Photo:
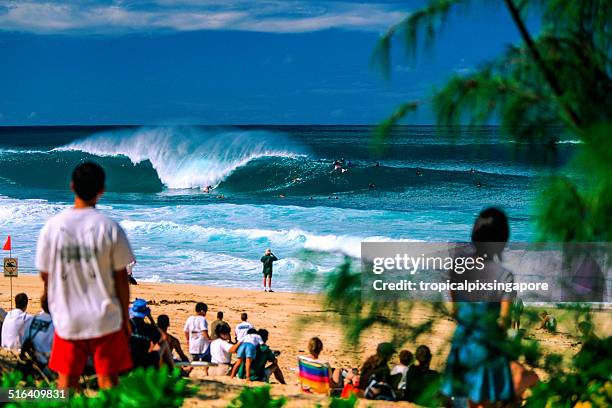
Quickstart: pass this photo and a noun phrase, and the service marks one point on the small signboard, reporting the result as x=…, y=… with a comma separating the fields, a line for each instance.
x=10, y=267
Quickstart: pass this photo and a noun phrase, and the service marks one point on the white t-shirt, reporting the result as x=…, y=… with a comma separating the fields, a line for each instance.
x=195, y=326
x=219, y=351
x=12, y=328
x=81, y=249
x=39, y=329
x=254, y=338
x=241, y=330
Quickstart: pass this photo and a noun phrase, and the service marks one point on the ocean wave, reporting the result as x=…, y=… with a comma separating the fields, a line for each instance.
x=185, y=157
x=328, y=243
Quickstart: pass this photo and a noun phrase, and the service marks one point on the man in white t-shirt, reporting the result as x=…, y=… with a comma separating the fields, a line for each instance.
x=14, y=322
x=39, y=331
x=196, y=334
x=221, y=351
x=243, y=327
x=82, y=257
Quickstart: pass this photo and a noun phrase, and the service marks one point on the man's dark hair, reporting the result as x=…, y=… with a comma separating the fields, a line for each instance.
x=252, y=330
x=244, y=317
x=201, y=307
x=88, y=180
x=264, y=335
x=163, y=321
x=220, y=315
x=21, y=301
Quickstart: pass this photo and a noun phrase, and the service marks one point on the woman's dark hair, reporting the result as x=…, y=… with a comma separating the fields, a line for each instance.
x=88, y=180
x=406, y=357
x=490, y=232
x=384, y=352
x=44, y=302
x=423, y=355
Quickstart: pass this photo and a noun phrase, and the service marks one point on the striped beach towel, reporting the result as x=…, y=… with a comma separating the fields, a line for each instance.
x=313, y=376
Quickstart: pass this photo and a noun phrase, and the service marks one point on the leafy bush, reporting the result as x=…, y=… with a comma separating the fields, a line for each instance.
x=587, y=384
x=343, y=402
x=257, y=397
x=140, y=388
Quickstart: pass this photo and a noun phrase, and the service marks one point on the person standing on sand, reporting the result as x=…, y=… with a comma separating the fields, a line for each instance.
x=213, y=326
x=82, y=257
x=267, y=261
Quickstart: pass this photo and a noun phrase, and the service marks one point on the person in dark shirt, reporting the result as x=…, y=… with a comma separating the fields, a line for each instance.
x=260, y=369
x=145, y=336
x=377, y=366
x=422, y=383
x=267, y=261
x=213, y=325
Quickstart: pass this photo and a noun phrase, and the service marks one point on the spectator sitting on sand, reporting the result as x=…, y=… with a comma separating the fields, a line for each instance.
x=163, y=322
x=196, y=333
x=221, y=351
x=259, y=370
x=14, y=323
x=351, y=384
x=548, y=322
x=247, y=351
x=422, y=383
x=38, y=334
x=82, y=257
x=315, y=347
x=376, y=376
x=399, y=371
x=243, y=327
x=213, y=325
x=145, y=338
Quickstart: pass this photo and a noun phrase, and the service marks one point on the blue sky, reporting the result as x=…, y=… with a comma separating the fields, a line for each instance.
x=224, y=62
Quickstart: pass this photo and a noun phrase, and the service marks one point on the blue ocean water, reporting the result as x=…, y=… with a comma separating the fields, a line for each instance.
x=271, y=187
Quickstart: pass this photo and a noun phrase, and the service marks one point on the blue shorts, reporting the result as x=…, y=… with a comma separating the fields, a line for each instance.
x=246, y=350
x=201, y=357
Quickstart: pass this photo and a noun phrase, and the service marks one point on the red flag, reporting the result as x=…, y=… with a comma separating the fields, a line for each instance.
x=7, y=244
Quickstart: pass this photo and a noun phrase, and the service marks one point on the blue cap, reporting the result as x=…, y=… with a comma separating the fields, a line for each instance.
x=139, y=308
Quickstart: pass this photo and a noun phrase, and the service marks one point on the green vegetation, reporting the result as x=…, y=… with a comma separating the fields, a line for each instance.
x=552, y=86
x=140, y=388
x=257, y=397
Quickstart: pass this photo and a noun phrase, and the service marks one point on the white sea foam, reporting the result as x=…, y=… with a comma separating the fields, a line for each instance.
x=187, y=157
x=330, y=243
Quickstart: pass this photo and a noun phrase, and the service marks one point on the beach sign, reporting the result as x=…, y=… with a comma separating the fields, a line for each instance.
x=11, y=267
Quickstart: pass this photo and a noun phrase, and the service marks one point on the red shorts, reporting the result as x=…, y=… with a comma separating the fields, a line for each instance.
x=111, y=354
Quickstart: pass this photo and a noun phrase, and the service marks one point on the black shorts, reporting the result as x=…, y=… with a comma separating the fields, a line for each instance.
x=267, y=273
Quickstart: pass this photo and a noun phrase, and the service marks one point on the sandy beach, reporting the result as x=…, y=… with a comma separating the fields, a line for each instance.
x=291, y=318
